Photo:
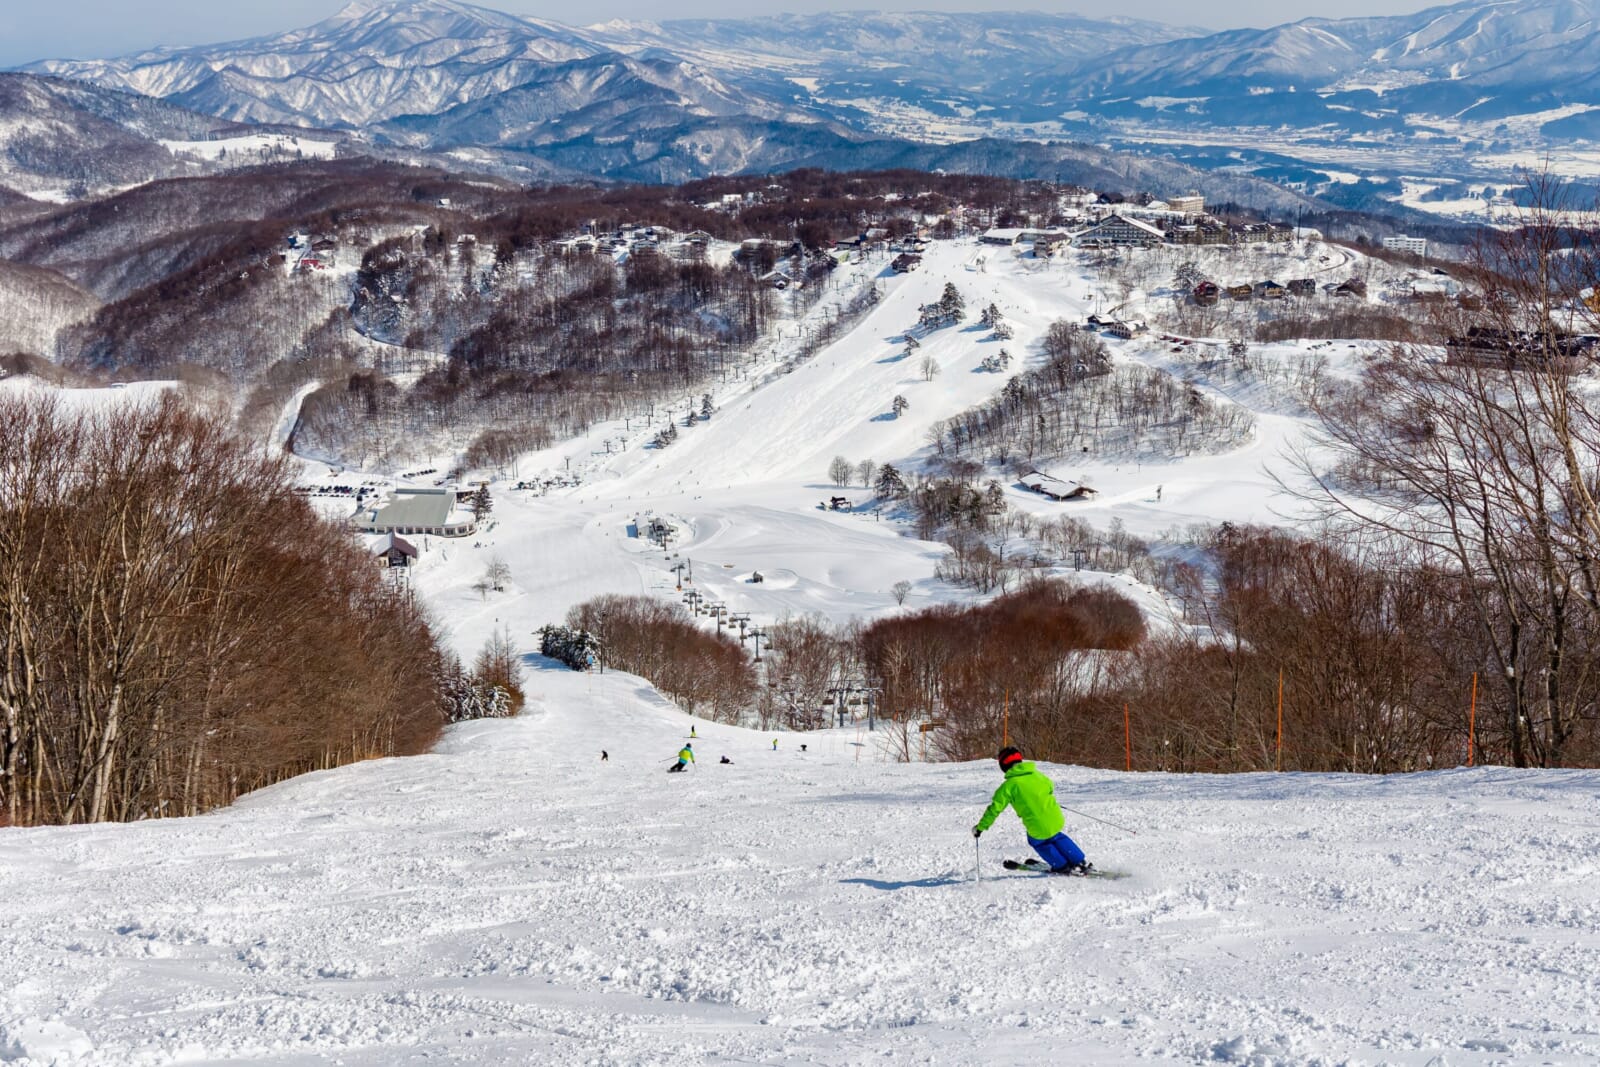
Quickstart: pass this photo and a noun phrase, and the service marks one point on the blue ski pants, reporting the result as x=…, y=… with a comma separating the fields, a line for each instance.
x=1058, y=851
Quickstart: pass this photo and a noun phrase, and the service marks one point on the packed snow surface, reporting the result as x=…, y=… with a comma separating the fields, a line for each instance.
x=513, y=900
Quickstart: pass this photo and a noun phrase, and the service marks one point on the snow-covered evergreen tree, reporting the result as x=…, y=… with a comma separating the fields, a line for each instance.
x=578, y=649
x=890, y=484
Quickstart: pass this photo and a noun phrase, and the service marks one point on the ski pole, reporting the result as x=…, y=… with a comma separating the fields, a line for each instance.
x=1097, y=818
x=977, y=860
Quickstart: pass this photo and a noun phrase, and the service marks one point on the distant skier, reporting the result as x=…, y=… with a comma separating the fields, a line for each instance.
x=725, y=759
x=692, y=733
x=774, y=744
x=685, y=757
x=1032, y=796
x=604, y=755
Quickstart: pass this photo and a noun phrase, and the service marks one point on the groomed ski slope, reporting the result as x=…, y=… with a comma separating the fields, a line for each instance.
x=512, y=900
x=743, y=489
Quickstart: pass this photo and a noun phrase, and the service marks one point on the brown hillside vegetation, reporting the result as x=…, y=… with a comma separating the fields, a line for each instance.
x=177, y=628
x=1014, y=666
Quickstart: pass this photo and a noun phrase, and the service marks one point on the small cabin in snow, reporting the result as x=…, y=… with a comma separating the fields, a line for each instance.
x=1055, y=488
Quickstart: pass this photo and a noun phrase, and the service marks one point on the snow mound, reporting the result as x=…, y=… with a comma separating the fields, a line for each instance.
x=42, y=1042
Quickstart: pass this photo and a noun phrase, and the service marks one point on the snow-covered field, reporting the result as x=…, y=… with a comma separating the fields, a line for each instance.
x=252, y=145
x=513, y=900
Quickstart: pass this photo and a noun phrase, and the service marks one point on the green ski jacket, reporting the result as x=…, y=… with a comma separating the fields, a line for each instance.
x=685, y=755
x=1033, y=797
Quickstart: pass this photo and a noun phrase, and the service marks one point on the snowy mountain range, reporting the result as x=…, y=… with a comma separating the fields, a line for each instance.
x=377, y=62
x=1465, y=91
x=59, y=137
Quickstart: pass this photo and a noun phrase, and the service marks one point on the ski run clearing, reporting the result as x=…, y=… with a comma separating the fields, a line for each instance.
x=511, y=899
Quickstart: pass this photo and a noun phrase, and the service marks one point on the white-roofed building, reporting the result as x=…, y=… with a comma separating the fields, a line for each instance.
x=1055, y=488
x=418, y=511
x=1120, y=231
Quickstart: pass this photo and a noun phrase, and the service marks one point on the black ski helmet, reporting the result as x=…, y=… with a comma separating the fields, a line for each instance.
x=1009, y=757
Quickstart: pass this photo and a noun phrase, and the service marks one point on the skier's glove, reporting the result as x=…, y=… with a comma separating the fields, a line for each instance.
x=976, y=832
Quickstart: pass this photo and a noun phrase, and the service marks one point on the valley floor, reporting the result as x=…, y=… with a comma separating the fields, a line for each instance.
x=513, y=900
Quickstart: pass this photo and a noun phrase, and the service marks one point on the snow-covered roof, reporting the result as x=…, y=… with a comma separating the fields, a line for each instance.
x=417, y=507
x=1040, y=482
x=391, y=542
x=1153, y=231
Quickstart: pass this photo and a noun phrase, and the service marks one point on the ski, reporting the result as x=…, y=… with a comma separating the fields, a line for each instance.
x=1038, y=867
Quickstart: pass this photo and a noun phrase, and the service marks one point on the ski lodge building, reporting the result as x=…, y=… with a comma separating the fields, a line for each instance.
x=1119, y=231
x=417, y=511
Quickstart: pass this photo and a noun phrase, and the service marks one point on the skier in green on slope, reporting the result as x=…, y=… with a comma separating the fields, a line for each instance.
x=1033, y=797
x=685, y=757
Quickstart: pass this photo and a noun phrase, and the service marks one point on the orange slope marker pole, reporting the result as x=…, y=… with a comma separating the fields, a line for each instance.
x=1472, y=722
x=1280, y=718
x=1127, y=738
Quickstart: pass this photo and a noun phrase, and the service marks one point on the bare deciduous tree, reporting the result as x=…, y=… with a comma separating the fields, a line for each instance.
x=840, y=470
x=168, y=610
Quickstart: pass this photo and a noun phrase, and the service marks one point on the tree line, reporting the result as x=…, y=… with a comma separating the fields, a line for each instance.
x=177, y=627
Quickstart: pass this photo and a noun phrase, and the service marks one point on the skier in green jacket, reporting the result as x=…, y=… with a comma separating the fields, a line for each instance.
x=1033, y=797
x=685, y=757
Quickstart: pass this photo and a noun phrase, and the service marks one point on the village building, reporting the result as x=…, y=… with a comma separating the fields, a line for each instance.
x=1007, y=237
x=584, y=245
x=395, y=551
x=1048, y=246
x=1188, y=204
x=1119, y=231
x=1204, y=231
x=1302, y=286
x=1239, y=292
x=417, y=511
x=1415, y=245
x=1206, y=294
x=1254, y=233
x=1127, y=330
x=1055, y=488
x=1270, y=290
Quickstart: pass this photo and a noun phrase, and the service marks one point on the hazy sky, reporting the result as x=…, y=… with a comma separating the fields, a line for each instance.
x=39, y=29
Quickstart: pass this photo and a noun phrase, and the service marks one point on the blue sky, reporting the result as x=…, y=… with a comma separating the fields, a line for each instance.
x=39, y=29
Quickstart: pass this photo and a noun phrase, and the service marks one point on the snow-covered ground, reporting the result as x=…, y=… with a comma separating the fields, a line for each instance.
x=744, y=488
x=253, y=145
x=513, y=900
